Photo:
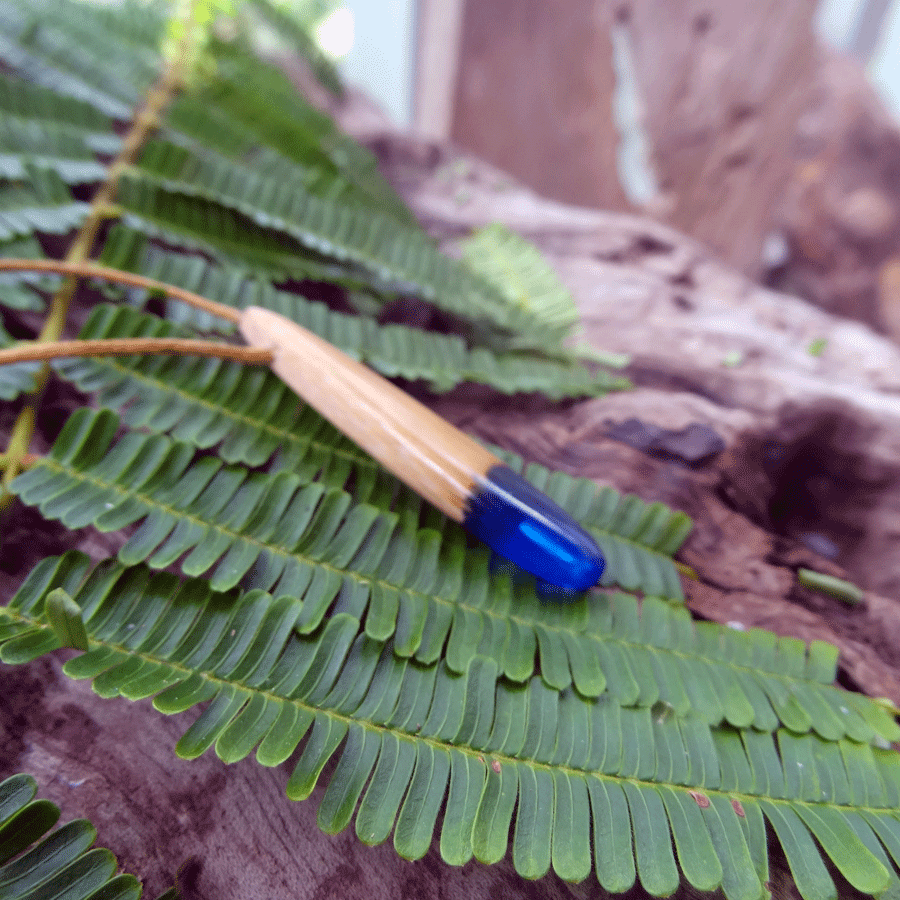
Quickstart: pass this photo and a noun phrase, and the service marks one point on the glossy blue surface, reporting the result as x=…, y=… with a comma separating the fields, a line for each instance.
x=526, y=527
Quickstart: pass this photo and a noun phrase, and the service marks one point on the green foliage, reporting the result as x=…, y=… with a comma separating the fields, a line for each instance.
x=517, y=271
x=297, y=34
x=295, y=531
x=43, y=205
x=272, y=571
x=834, y=587
x=64, y=616
x=408, y=735
x=388, y=255
x=61, y=862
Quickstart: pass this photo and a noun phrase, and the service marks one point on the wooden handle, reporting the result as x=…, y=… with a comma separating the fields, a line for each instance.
x=436, y=460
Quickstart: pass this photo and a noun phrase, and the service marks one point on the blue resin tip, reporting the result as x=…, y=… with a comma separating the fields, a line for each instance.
x=526, y=527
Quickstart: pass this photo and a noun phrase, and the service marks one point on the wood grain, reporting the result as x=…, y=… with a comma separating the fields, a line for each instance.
x=438, y=461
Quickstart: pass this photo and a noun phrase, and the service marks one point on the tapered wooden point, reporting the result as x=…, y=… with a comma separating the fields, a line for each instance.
x=436, y=460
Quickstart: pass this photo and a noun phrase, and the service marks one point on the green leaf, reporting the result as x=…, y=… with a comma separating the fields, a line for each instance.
x=513, y=762
x=64, y=616
x=61, y=863
x=518, y=272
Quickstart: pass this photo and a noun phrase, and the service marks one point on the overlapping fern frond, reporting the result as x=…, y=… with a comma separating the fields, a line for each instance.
x=409, y=735
x=299, y=534
x=61, y=862
x=320, y=610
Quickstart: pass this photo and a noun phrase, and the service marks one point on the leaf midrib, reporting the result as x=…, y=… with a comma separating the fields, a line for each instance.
x=483, y=756
x=372, y=581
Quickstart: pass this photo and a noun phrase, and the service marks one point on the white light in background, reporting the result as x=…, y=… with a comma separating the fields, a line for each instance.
x=334, y=34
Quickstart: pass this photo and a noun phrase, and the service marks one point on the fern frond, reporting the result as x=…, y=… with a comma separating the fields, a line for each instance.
x=226, y=402
x=516, y=269
x=198, y=123
x=61, y=863
x=46, y=145
x=227, y=235
x=24, y=102
x=395, y=257
x=19, y=291
x=411, y=735
x=277, y=118
x=80, y=52
x=424, y=590
x=443, y=361
x=291, y=30
x=44, y=205
x=248, y=413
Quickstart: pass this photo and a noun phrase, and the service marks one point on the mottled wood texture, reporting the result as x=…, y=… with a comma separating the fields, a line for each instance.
x=840, y=214
x=721, y=88
x=533, y=94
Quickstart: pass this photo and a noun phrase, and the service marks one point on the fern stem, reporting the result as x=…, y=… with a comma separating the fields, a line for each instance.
x=41, y=352
x=92, y=270
x=14, y=458
x=145, y=120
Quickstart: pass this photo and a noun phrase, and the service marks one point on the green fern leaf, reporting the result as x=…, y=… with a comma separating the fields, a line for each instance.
x=49, y=146
x=44, y=206
x=425, y=590
x=84, y=53
x=19, y=291
x=64, y=617
x=196, y=224
x=499, y=753
x=396, y=258
x=21, y=101
x=16, y=379
x=516, y=269
x=61, y=863
x=270, y=123
x=205, y=401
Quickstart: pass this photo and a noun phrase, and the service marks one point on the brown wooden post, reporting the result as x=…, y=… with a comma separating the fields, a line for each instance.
x=534, y=94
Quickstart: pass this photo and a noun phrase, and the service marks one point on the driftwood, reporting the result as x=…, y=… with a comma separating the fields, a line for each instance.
x=784, y=457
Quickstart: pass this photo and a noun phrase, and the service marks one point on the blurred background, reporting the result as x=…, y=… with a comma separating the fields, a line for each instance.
x=766, y=130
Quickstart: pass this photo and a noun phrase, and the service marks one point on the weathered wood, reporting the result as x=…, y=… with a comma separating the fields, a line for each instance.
x=722, y=89
x=534, y=95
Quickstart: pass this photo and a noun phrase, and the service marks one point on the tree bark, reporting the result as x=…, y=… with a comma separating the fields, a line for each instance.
x=723, y=86
x=534, y=96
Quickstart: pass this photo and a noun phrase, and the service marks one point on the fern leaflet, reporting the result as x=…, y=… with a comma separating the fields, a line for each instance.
x=425, y=590
x=408, y=736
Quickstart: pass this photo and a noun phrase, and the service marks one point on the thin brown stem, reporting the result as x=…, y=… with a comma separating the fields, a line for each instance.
x=145, y=120
x=92, y=270
x=40, y=352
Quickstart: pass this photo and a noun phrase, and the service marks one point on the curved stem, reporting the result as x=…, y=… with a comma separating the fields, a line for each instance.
x=43, y=349
x=92, y=270
x=35, y=352
x=145, y=120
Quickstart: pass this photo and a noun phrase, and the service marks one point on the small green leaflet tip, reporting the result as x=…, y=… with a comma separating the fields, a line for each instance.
x=834, y=587
x=64, y=617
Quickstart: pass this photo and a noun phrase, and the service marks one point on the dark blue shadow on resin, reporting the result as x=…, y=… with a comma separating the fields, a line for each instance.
x=526, y=527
